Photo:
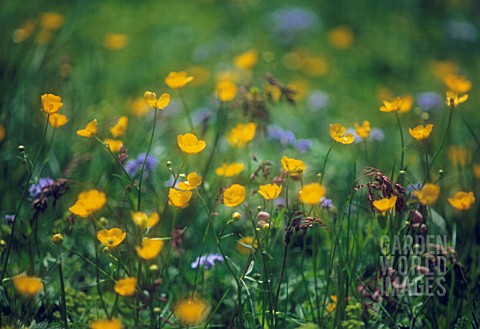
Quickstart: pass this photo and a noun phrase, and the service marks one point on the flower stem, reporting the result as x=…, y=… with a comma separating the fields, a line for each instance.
x=144, y=162
x=62, y=293
x=325, y=162
x=402, y=139
x=189, y=119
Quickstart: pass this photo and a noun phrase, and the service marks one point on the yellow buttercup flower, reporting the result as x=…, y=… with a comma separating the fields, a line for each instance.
x=191, y=311
x=421, y=132
x=88, y=202
x=57, y=120
x=476, y=171
x=179, y=199
x=193, y=180
x=234, y=195
x=363, y=131
x=190, y=144
x=453, y=99
x=143, y=220
x=89, y=131
x=385, y=204
x=338, y=133
x=111, y=238
x=457, y=84
x=462, y=200
x=150, y=248
x=113, y=323
x=244, y=242
x=51, y=21
x=247, y=60
x=115, y=41
x=115, y=145
x=399, y=104
x=125, y=287
x=428, y=195
x=316, y=66
x=226, y=90
x=293, y=166
x=177, y=80
x=241, y=134
x=340, y=37
x=119, y=129
x=270, y=191
x=51, y=103
x=27, y=285
x=312, y=193
x=157, y=103
x=229, y=170
x=331, y=306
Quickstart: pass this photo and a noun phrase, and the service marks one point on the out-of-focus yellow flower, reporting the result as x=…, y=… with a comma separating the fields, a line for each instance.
x=300, y=88
x=462, y=200
x=457, y=84
x=119, y=129
x=191, y=311
x=421, y=132
x=241, y=134
x=57, y=120
x=3, y=132
x=179, y=199
x=230, y=170
x=331, y=306
x=57, y=238
x=51, y=21
x=315, y=66
x=338, y=133
x=340, y=37
x=428, y=195
x=247, y=60
x=190, y=144
x=226, y=90
x=143, y=220
x=476, y=171
x=312, y=193
x=138, y=107
x=111, y=238
x=160, y=103
x=89, y=131
x=88, y=202
x=234, y=195
x=385, y=204
x=43, y=36
x=459, y=155
x=125, y=287
x=444, y=68
x=273, y=92
x=193, y=180
x=27, y=285
x=113, y=323
x=115, y=41
x=51, y=103
x=293, y=166
x=177, y=80
x=363, y=131
x=150, y=248
x=270, y=191
x=399, y=104
x=114, y=145
x=453, y=99
x=201, y=74
x=244, y=242
x=24, y=32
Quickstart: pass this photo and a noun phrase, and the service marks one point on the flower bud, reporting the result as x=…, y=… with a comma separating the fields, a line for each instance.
x=103, y=221
x=153, y=268
x=169, y=164
x=236, y=216
x=263, y=216
x=21, y=148
x=3, y=243
x=106, y=250
x=402, y=173
x=57, y=239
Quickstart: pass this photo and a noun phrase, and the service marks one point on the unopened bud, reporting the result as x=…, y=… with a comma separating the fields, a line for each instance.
x=57, y=238
x=236, y=216
x=103, y=221
x=106, y=250
x=402, y=173
x=21, y=148
x=153, y=268
x=169, y=164
x=440, y=172
x=157, y=310
x=3, y=243
x=263, y=215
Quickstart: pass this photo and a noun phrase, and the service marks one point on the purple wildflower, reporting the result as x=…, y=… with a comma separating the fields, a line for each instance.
x=134, y=166
x=377, y=134
x=326, y=203
x=207, y=261
x=36, y=189
x=303, y=145
x=428, y=101
x=317, y=100
x=131, y=167
x=293, y=20
x=10, y=219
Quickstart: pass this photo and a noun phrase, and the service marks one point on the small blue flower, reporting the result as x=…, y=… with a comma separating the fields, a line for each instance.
x=428, y=101
x=134, y=166
x=303, y=145
x=131, y=167
x=36, y=189
x=10, y=219
x=207, y=261
x=326, y=203
x=318, y=100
